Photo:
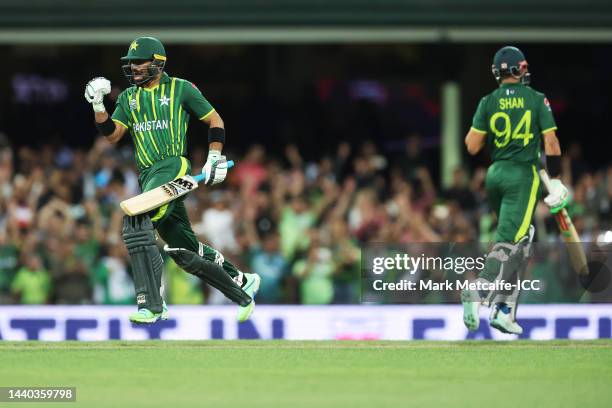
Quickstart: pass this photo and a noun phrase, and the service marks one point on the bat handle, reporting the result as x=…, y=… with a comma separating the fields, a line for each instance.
x=545, y=179
x=202, y=176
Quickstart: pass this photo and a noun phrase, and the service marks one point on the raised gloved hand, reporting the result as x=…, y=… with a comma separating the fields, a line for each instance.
x=557, y=197
x=95, y=91
x=215, y=168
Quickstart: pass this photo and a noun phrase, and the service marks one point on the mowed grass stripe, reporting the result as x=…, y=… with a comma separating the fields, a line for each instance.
x=317, y=374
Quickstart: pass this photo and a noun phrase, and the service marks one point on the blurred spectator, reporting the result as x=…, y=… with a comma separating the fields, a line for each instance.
x=264, y=257
x=296, y=219
x=9, y=261
x=112, y=283
x=413, y=157
x=181, y=287
x=460, y=192
x=217, y=224
x=315, y=274
x=31, y=285
x=250, y=172
x=71, y=278
x=267, y=261
x=367, y=216
x=346, y=257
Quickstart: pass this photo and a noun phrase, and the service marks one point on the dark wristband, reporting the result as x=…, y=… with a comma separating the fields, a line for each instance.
x=216, y=134
x=107, y=127
x=553, y=165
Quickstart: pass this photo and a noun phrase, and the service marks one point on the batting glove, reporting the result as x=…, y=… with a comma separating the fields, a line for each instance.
x=215, y=168
x=95, y=91
x=557, y=197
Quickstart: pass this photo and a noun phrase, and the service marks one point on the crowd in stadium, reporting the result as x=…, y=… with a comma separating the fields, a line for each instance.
x=299, y=224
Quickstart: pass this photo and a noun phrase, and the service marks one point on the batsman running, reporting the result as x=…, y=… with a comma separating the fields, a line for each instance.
x=155, y=110
x=512, y=121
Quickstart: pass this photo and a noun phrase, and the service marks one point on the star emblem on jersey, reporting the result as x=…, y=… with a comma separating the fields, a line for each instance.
x=133, y=45
x=164, y=100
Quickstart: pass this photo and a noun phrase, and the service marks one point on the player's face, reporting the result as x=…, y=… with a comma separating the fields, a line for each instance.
x=523, y=67
x=140, y=68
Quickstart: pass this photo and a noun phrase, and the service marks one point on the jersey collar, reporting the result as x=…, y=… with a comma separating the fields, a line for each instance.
x=164, y=79
x=509, y=84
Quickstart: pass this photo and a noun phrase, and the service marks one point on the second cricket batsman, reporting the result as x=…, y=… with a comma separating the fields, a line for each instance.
x=155, y=111
x=512, y=121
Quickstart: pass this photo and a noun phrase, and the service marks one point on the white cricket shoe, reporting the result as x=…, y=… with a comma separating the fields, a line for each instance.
x=504, y=322
x=250, y=287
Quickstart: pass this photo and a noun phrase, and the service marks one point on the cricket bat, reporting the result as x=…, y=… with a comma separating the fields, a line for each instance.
x=152, y=199
x=568, y=234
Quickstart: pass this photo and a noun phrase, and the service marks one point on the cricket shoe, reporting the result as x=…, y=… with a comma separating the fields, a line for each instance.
x=471, y=306
x=164, y=314
x=502, y=320
x=251, y=286
x=145, y=316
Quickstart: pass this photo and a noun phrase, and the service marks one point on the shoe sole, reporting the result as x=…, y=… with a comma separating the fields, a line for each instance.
x=471, y=322
x=161, y=316
x=495, y=325
x=147, y=321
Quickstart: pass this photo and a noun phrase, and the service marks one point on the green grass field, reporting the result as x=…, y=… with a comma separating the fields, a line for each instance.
x=316, y=374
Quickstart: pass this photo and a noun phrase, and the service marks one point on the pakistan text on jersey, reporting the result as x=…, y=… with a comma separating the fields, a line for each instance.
x=150, y=125
x=511, y=103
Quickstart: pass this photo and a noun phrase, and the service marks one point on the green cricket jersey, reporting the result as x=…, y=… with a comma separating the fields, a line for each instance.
x=515, y=116
x=157, y=118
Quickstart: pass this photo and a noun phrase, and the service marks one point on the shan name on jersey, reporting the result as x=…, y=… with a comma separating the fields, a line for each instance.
x=150, y=125
x=511, y=103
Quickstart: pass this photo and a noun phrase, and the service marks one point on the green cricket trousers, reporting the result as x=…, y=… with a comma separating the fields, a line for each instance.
x=512, y=191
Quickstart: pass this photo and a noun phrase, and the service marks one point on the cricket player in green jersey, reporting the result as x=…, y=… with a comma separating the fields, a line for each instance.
x=155, y=111
x=512, y=121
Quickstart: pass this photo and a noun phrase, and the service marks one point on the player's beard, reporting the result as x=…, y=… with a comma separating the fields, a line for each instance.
x=142, y=76
x=139, y=75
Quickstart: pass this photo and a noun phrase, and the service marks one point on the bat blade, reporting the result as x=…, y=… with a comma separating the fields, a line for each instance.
x=569, y=235
x=155, y=198
x=152, y=199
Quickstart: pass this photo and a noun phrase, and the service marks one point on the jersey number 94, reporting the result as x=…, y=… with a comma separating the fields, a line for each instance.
x=501, y=126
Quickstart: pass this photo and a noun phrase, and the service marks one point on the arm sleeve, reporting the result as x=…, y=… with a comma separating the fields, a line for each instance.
x=546, y=120
x=479, y=121
x=195, y=102
x=119, y=115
